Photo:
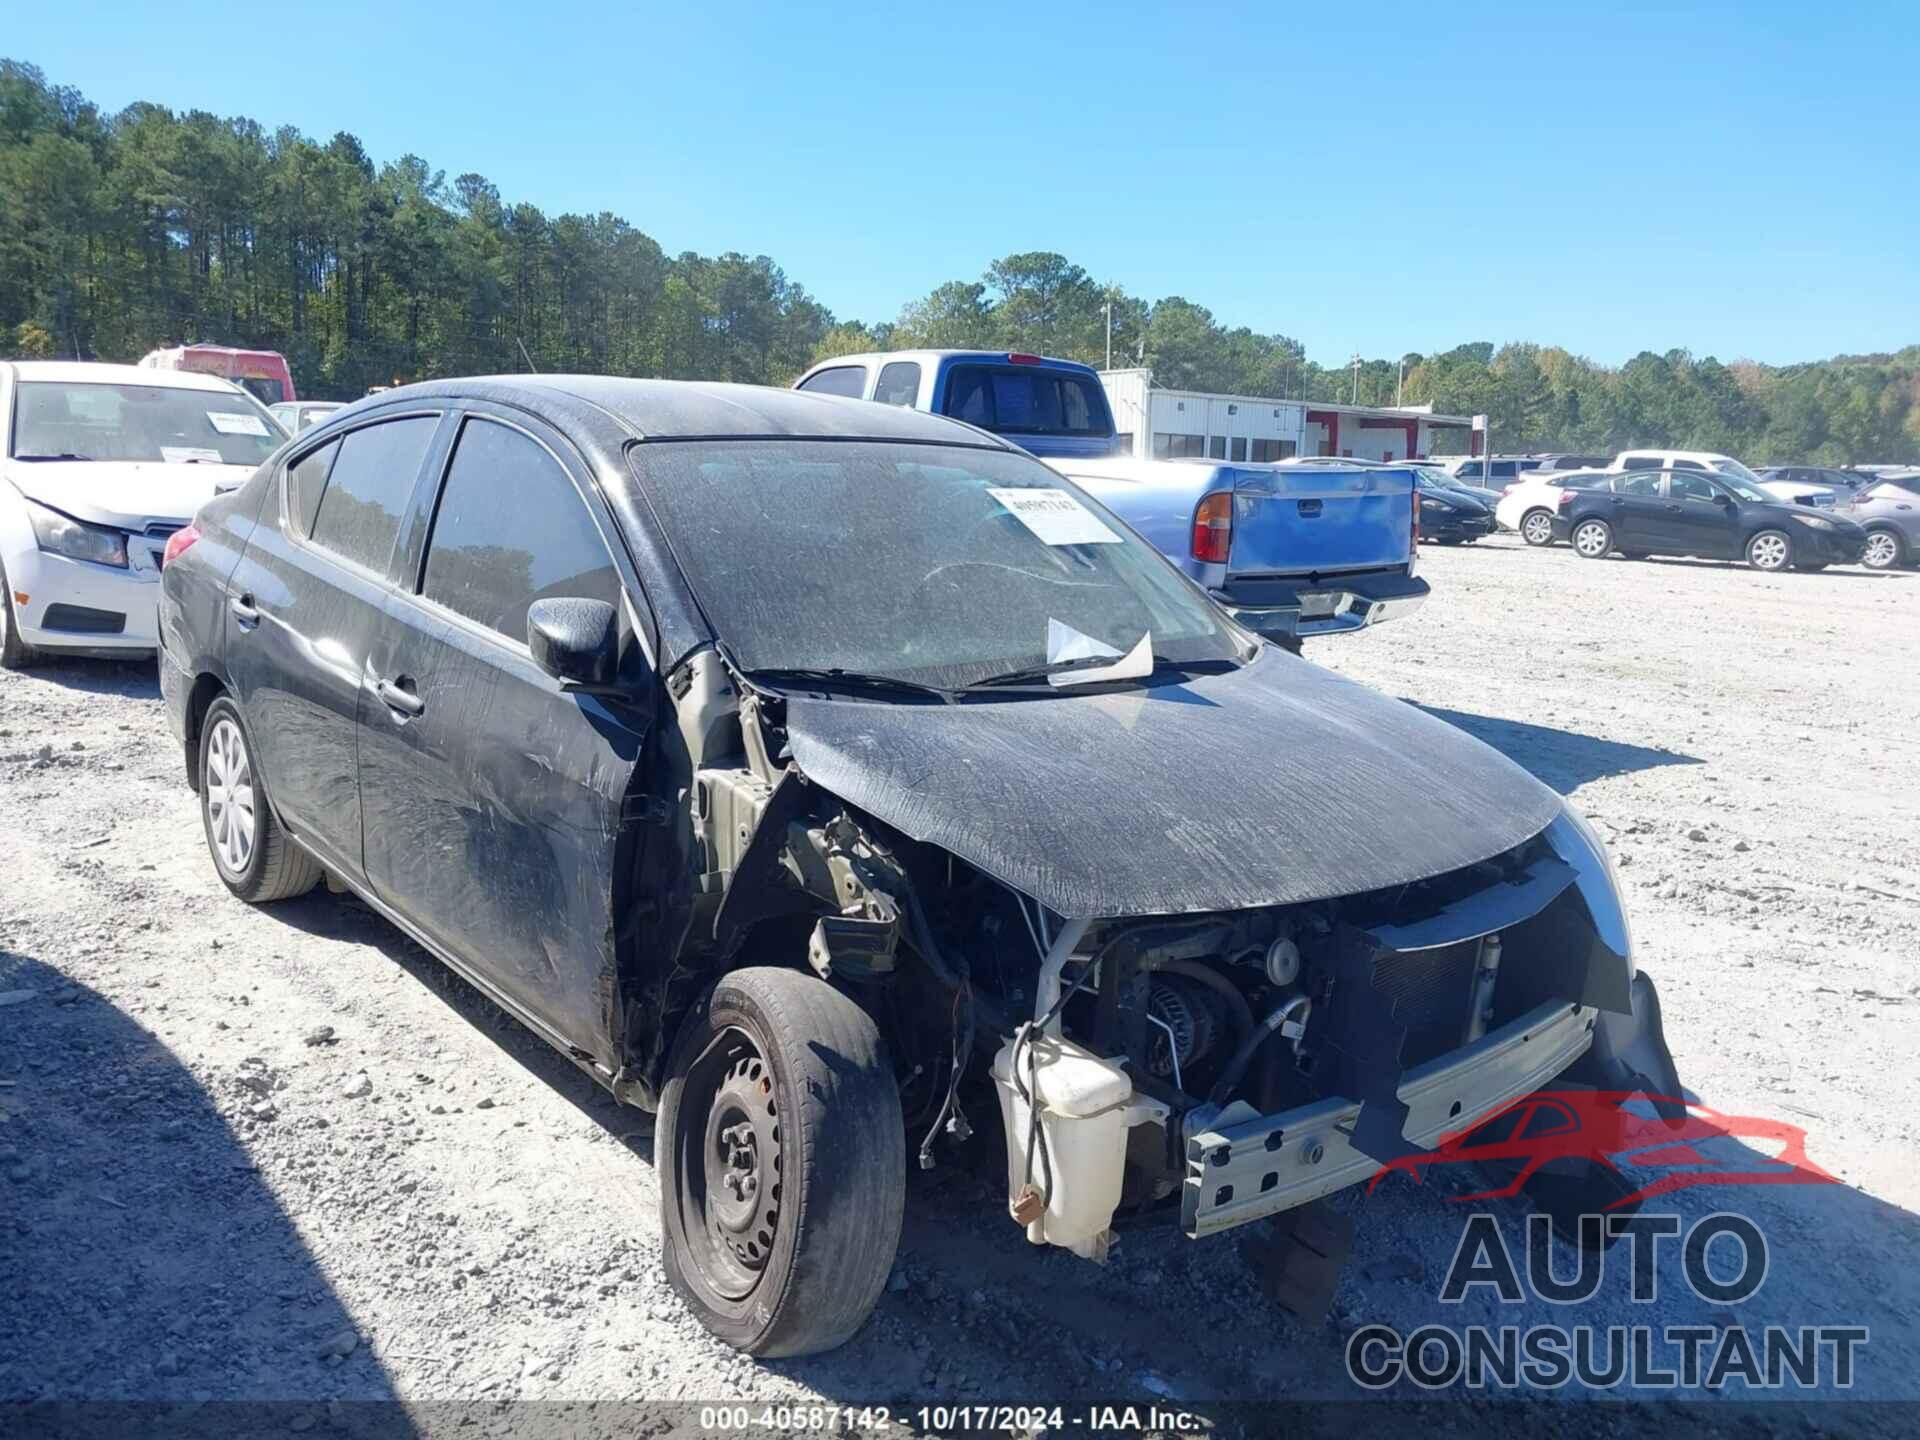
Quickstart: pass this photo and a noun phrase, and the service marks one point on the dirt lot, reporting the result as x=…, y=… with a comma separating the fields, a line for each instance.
x=284, y=1154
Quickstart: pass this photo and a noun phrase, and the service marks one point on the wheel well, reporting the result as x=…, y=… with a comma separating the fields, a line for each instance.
x=206, y=689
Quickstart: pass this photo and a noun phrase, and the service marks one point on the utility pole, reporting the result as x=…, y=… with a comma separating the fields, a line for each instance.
x=1400, y=386
x=1355, y=400
x=1109, y=310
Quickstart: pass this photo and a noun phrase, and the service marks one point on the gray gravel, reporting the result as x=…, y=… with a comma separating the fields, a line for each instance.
x=284, y=1154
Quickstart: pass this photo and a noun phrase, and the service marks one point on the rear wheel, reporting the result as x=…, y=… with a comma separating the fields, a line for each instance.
x=1593, y=539
x=252, y=853
x=15, y=653
x=1770, y=550
x=782, y=1164
x=1536, y=527
x=1884, y=550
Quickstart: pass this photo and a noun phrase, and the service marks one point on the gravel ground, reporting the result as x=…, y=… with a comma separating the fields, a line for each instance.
x=283, y=1154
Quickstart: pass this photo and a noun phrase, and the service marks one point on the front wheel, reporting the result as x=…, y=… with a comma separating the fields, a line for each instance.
x=1593, y=539
x=1770, y=550
x=1536, y=527
x=15, y=653
x=782, y=1164
x=1883, y=550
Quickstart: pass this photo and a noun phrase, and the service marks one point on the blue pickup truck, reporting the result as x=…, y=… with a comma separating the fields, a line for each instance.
x=1290, y=550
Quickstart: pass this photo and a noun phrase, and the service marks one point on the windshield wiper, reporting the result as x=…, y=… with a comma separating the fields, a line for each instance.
x=852, y=681
x=1043, y=674
x=67, y=455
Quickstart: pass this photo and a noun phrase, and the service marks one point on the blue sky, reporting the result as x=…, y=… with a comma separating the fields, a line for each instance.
x=1740, y=180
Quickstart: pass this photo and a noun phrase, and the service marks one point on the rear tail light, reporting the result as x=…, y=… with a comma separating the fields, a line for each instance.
x=1567, y=497
x=1213, y=528
x=178, y=543
x=1016, y=358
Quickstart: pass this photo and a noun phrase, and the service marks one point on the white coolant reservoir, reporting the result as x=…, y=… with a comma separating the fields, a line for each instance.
x=1086, y=1105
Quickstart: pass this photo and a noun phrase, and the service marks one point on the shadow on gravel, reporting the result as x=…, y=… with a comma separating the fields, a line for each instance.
x=1564, y=759
x=142, y=1256
x=1688, y=562
x=137, y=679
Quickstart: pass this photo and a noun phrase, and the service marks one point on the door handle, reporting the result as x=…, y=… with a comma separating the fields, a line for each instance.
x=405, y=701
x=1675, y=509
x=243, y=611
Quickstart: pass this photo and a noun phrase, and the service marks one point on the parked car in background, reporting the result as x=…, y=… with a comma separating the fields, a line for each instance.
x=1530, y=505
x=263, y=373
x=1817, y=496
x=1568, y=460
x=297, y=415
x=1706, y=513
x=1289, y=555
x=783, y=655
x=1889, y=511
x=1494, y=473
x=99, y=466
x=1448, y=514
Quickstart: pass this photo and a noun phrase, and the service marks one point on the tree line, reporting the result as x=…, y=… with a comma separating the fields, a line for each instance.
x=123, y=232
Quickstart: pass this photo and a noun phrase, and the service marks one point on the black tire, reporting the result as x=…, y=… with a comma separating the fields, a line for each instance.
x=793, y=1264
x=1592, y=539
x=270, y=866
x=1811, y=567
x=1536, y=527
x=1770, y=551
x=15, y=653
x=1633, y=554
x=1886, y=549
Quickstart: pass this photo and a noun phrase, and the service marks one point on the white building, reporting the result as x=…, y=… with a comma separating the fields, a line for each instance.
x=1168, y=424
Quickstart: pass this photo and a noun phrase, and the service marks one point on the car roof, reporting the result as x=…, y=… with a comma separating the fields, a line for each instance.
x=701, y=409
x=84, y=372
x=984, y=357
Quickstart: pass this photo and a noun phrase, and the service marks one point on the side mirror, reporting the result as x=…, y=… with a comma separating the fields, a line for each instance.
x=575, y=641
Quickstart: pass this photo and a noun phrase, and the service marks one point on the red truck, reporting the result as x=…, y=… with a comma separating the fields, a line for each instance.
x=264, y=372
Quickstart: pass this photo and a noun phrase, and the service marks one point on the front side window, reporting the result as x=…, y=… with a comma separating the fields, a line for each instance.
x=901, y=560
x=1640, y=482
x=899, y=383
x=847, y=380
x=511, y=529
x=367, y=489
x=1685, y=486
x=71, y=420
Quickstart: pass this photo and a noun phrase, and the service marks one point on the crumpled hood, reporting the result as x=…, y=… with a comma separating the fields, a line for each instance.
x=1269, y=785
x=126, y=494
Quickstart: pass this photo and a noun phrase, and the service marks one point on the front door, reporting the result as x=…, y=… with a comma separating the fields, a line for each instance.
x=492, y=799
x=301, y=609
x=1697, y=520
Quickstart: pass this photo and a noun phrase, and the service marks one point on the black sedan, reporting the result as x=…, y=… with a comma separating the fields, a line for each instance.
x=1716, y=516
x=1450, y=514
x=815, y=772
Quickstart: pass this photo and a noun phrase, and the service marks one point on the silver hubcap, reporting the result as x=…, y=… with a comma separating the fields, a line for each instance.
x=1881, y=552
x=1769, y=552
x=1591, y=540
x=230, y=817
x=1537, y=528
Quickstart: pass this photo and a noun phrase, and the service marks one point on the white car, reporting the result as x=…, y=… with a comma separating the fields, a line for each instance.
x=1530, y=504
x=1818, y=496
x=99, y=465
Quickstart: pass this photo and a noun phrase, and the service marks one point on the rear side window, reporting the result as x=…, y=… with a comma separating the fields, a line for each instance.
x=366, y=491
x=510, y=530
x=1505, y=469
x=306, y=479
x=848, y=380
x=1026, y=400
x=899, y=383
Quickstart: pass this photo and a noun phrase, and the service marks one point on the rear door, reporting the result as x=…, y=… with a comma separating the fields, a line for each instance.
x=1305, y=519
x=493, y=799
x=1636, y=510
x=301, y=609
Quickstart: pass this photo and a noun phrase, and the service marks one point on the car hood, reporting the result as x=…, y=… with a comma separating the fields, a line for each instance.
x=1273, y=784
x=128, y=495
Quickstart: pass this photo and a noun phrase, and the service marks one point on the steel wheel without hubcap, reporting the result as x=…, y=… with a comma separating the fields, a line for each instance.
x=1592, y=540
x=1769, y=550
x=230, y=801
x=1536, y=528
x=736, y=1192
x=1882, y=552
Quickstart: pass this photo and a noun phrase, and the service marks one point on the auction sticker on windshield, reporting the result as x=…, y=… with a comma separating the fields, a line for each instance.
x=229, y=423
x=190, y=454
x=1054, y=516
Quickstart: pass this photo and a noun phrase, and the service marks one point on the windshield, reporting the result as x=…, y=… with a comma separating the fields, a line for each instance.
x=901, y=560
x=70, y=420
x=1735, y=469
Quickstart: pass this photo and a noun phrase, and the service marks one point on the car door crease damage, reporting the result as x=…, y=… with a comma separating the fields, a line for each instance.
x=1183, y=930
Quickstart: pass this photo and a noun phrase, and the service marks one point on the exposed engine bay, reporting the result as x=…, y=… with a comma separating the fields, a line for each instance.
x=1229, y=1064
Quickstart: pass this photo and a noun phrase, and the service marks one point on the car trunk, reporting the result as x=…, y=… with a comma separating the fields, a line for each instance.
x=1288, y=519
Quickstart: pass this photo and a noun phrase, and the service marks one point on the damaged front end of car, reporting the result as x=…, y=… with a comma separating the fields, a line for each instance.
x=1227, y=1008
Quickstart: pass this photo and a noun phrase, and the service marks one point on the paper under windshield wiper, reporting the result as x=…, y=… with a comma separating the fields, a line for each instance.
x=1046, y=674
x=850, y=680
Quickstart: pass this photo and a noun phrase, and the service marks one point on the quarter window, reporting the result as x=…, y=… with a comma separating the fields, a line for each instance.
x=511, y=529
x=848, y=380
x=367, y=489
x=899, y=383
x=306, y=479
